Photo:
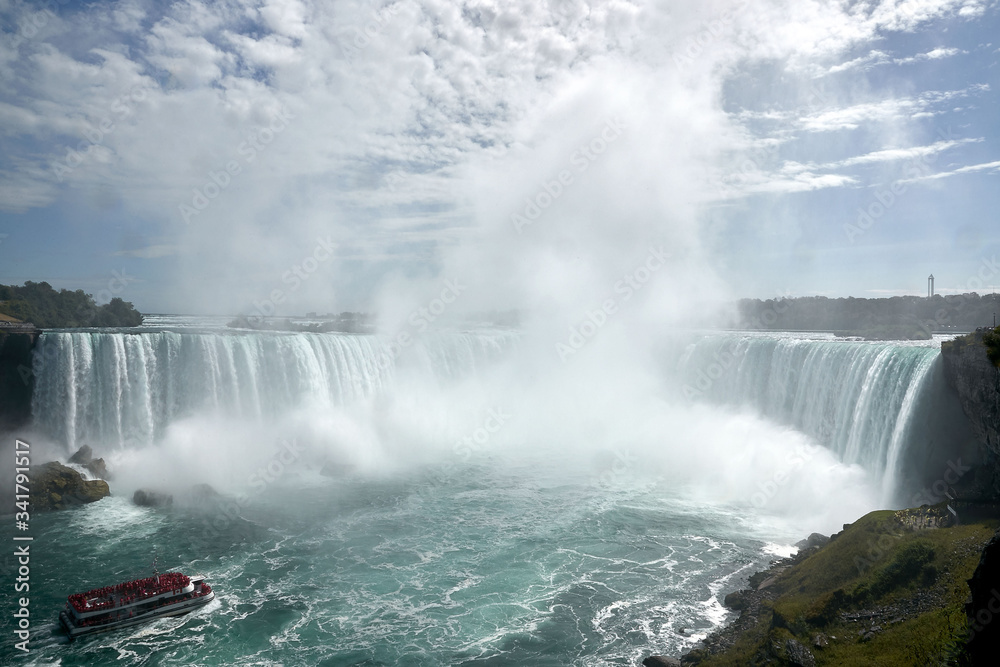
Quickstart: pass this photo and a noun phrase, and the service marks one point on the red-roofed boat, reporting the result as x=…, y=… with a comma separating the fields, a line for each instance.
x=134, y=602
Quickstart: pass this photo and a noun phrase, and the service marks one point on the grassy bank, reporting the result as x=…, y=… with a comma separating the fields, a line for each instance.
x=889, y=589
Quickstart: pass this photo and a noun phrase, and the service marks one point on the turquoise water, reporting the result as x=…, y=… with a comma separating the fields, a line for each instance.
x=491, y=565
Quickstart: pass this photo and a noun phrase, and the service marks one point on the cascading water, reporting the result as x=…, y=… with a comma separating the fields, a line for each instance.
x=856, y=398
x=125, y=389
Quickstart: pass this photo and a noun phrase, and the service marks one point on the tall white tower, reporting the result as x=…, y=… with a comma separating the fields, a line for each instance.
x=930, y=286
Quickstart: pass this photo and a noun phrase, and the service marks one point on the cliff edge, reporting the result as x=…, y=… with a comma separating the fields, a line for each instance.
x=969, y=371
x=16, y=379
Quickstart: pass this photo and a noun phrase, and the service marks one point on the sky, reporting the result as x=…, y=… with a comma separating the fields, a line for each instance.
x=284, y=156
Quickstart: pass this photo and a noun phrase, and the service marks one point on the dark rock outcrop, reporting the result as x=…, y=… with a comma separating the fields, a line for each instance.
x=813, y=541
x=144, y=498
x=56, y=487
x=983, y=607
x=98, y=469
x=734, y=600
x=85, y=457
x=16, y=379
x=204, y=492
x=198, y=496
x=799, y=655
x=976, y=380
x=661, y=661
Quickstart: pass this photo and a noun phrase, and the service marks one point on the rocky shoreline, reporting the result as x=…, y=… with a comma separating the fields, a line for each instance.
x=865, y=593
x=750, y=602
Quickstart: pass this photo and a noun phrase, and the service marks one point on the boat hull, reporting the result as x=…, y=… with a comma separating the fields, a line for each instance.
x=178, y=609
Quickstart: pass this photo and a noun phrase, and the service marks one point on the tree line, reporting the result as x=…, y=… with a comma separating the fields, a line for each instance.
x=44, y=307
x=920, y=316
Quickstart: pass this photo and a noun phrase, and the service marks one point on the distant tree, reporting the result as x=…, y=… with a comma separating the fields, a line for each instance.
x=43, y=306
x=18, y=309
x=118, y=313
x=992, y=341
x=939, y=313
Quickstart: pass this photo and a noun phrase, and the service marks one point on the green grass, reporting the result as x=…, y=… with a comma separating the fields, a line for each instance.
x=874, y=563
x=992, y=342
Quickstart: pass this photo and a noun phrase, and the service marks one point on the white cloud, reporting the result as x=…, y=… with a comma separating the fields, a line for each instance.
x=876, y=58
x=907, y=15
x=849, y=118
x=188, y=57
x=285, y=17
x=893, y=154
x=270, y=51
x=401, y=119
x=869, y=61
x=792, y=176
x=23, y=188
x=893, y=109
x=990, y=167
x=936, y=54
x=804, y=182
x=972, y=9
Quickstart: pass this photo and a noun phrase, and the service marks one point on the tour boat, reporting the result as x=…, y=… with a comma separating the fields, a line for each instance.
x=134, y=602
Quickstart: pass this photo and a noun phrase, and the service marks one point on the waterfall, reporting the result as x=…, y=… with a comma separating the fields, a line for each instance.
x=121, y=388
x=856, y=398
x=882, y=406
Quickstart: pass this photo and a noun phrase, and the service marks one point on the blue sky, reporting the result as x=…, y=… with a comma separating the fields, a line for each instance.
x=209, y=152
